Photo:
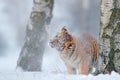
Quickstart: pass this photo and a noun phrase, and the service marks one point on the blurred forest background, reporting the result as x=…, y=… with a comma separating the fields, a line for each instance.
x=78, y=16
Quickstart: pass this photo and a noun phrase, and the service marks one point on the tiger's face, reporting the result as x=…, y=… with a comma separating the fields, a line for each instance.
x=60, y=39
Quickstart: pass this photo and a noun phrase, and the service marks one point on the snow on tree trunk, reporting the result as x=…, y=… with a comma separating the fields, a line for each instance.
x=110, y=36
x=30, y=58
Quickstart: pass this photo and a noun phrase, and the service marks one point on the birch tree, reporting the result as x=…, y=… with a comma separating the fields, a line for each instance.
x=110, y=36
x=30, y=58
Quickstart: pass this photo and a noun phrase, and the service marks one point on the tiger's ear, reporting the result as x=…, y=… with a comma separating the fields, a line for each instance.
x=64, y=30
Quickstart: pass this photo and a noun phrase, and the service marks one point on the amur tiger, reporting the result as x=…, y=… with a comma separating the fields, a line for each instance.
x=79, y=54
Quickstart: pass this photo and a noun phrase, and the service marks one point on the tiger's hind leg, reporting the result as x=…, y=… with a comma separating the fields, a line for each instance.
x=84, y=68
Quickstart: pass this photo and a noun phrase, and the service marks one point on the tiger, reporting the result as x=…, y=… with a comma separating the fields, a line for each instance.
x=80, y=54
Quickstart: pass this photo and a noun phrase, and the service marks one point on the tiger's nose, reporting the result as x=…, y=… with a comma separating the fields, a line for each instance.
x=51, y=43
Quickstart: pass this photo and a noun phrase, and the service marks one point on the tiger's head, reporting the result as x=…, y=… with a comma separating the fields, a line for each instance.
x=61, y=40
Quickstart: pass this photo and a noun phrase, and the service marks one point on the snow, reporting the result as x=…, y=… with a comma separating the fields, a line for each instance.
x=49, y=76
x=52, y=61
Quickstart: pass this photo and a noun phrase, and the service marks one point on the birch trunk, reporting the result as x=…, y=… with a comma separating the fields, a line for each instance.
x=30, y=58
x=110, y=36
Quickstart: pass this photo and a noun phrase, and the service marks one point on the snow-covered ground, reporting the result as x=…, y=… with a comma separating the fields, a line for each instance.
x=49, y=76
